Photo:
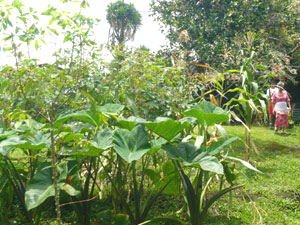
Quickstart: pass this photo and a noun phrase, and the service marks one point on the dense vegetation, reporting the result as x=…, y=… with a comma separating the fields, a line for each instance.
x=130, y=141
x=219, y=31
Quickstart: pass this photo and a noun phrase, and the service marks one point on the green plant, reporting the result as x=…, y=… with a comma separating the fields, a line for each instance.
x=297, y=120
x=43, y=92
x=215, y=31
x=202, y=160
x=145, y=85
x=124, y=20
x=250, y=102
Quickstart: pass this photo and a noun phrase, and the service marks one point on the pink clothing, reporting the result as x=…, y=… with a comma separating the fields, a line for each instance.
x=282, y=120
x=280, y=101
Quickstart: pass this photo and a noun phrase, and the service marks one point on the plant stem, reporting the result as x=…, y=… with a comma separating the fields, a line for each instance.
x=55, y=173
x=136, y=194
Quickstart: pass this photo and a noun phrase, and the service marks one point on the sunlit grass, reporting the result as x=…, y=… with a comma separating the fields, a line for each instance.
x=274, y=196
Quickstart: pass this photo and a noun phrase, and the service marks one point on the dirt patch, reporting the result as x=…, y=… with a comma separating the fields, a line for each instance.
x=289, y=194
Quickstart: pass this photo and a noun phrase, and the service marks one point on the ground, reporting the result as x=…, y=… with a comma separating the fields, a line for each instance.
x=270, y=198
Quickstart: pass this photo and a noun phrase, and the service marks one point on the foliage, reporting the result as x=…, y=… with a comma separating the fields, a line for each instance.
x=77, y=129
x=146, y=85
x=217, y=31
x=124, y=20
x=250, y=104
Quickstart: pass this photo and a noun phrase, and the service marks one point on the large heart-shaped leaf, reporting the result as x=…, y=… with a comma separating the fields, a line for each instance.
x=207, y=113
x=130, y=122
x=166, y=128
x=102, y=140
x=84, y=116
x=39, y=140
x=191, y=156
x=40, y=187
x=131, y=145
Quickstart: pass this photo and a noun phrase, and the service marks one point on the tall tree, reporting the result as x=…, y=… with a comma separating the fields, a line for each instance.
x=124, y=21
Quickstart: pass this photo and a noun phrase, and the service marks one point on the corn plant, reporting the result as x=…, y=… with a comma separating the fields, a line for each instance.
x=249, y=103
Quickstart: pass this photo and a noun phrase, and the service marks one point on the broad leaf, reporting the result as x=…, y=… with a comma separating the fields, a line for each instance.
x=191, y=156
x=85, y=152
x=166, y=128
x=5, y=150
x=4, y=134
x=40, y=187
x=131, y=145
x=66, y=176
x=102, y=141
x=170, y=176
x=157, y=144
x=207, y=113
x=34, y=125
x=130, y=122
x=12, y=141
x=83, y=116
x=39, y=140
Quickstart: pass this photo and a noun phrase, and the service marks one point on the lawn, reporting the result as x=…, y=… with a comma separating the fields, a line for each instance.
x=272, y=197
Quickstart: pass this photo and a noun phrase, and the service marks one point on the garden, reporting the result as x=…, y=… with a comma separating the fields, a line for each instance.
x=177, y=136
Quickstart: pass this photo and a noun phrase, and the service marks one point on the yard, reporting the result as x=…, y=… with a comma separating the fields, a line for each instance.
x=272, y=197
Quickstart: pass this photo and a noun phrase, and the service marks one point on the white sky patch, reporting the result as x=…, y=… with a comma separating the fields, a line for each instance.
x=148, y=34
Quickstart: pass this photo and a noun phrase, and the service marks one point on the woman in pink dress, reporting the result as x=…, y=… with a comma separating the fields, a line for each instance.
x=282, y=106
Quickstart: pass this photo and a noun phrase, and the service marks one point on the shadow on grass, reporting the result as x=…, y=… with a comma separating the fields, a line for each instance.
x=223, y=220
x=271, y=146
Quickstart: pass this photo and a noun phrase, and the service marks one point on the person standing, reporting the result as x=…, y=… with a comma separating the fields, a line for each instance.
x=281, y=107
x=273, y=89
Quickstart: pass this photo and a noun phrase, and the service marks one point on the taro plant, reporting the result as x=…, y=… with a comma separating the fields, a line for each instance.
x=91, y=135
x=198, y=161
x=13, y=166
x=131, y=143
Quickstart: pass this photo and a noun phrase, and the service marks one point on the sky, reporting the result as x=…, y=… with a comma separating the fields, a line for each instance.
x=148, y=34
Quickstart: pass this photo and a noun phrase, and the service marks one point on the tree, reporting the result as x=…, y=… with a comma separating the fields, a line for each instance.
x=124, y=20
x=216, y=30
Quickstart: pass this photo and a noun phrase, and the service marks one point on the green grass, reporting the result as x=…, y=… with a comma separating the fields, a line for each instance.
x=273, y=197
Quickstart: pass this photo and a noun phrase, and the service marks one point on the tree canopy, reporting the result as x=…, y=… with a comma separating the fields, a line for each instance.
x=124, y=20
x=218, y=30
